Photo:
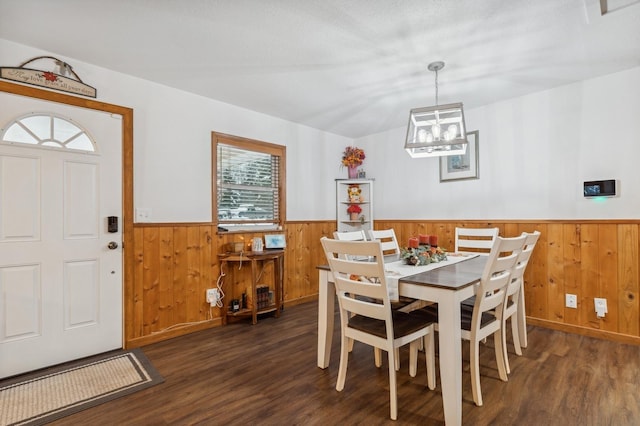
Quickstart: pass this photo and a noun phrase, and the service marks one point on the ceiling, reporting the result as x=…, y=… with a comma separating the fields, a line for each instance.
x=349, y=67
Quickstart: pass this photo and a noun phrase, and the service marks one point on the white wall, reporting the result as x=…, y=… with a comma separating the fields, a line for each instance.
x=172, y=144
x=535, y=153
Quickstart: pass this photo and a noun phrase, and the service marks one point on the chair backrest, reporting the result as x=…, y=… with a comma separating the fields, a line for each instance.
x=350, y=235
x=497, y=275
x=475, y=239
x=521, y=264
x=388, y=240
x=347, y=273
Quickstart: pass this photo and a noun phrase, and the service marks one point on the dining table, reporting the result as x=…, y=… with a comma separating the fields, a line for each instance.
x=447, y=283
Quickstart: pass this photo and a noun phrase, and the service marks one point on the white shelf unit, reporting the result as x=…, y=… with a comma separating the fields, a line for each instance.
x=343, y=218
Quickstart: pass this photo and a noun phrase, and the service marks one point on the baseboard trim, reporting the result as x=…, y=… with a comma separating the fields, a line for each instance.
x=171, y=333
x=300, y=300
x=585, y=331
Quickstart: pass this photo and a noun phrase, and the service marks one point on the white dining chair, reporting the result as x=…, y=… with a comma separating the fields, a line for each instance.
x=390, y=246
x=513, y=307
x=369, y=318
x=357, y=236
x=484, y=319
x=350, y=236
x=387, y=238
x=362, y=236
x=522, y=316
x=476, y=240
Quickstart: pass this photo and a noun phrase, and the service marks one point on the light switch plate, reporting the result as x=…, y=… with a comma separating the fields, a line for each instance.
x=571, y=301
x=143, y=214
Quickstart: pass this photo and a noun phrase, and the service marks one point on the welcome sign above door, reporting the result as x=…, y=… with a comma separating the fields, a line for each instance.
x=49, y=79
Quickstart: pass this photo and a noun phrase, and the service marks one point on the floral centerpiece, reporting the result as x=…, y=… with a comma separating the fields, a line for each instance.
x=352, y=157
x=422, y=255
x=354, y=210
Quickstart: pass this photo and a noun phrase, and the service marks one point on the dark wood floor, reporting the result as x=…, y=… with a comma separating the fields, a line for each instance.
x=266, y=374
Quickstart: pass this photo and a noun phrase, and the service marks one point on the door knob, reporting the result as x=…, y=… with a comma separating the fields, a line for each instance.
x=112, y=245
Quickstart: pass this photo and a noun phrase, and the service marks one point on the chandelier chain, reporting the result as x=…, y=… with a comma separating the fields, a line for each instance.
x=437, y=87
x=435, y=67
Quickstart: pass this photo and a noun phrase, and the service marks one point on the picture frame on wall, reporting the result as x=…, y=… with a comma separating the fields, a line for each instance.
x=462, y=167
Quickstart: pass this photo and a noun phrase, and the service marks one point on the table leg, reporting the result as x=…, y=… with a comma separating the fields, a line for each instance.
x=281, y=282
x=278, y=285
x=450, y=357
x=254, y=284
x=225, y=306
x=326, y=302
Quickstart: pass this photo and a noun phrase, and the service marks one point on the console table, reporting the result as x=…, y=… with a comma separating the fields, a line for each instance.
x=256, y=259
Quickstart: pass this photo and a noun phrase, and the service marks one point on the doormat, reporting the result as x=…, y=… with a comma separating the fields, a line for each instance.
x=52, y=393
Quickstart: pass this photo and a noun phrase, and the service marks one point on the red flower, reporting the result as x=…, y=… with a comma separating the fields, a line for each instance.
x=49, y=76
x=354, y=208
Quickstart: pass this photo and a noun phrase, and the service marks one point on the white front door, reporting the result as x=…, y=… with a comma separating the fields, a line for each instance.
x=60, y=283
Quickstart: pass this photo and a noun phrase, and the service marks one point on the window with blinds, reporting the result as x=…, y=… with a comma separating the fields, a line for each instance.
x=248, y=182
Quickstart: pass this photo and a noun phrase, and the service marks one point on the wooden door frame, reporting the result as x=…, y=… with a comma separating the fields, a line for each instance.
x=127, y=180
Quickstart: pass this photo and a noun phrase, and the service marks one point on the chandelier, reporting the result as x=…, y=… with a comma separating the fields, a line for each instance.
x=437, y=130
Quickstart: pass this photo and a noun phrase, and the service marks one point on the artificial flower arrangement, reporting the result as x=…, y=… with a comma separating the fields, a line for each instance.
x=352, y=156
x=354, y=208
x=423, y=255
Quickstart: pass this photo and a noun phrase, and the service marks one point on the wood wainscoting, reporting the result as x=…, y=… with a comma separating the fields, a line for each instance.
x=176, y=263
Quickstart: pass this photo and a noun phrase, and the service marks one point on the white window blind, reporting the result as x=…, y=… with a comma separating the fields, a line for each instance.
x=248, y=186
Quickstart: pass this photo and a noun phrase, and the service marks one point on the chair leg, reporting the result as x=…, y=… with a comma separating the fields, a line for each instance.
x=344, y=360
x=516, y=334
x=393, y=395
x=350, y=345
x=522, y=319
x=377, y=356
x=505, y=355
x=500, y=344
x=429, y=355
x=516, y=340
x=475, y=372
x=397, y=359
x=413, y=358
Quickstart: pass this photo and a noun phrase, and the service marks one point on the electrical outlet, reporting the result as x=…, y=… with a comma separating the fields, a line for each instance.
x=601, y=307
x=212, y=296
x=571, y=301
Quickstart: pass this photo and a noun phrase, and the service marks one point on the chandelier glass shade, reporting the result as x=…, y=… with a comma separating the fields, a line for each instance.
x=437, y=130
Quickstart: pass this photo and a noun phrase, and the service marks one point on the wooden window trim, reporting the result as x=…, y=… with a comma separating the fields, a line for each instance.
x=252, y=145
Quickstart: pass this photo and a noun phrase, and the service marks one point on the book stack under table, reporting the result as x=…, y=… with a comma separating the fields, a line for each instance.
x=264, y=296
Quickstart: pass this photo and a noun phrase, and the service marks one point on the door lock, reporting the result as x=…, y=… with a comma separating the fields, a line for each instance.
x=112, y=245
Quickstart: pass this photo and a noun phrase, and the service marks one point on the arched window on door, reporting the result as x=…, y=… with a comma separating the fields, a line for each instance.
x=49, y=131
